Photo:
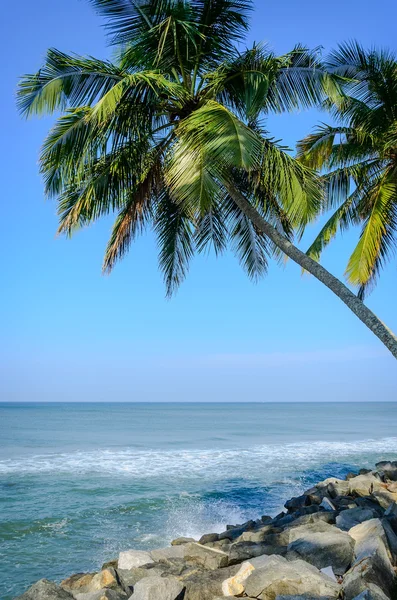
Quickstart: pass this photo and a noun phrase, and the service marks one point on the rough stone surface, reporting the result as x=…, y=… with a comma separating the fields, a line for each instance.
x=373, y=592
x=372, y=554
x=134, y=558
x=182, y=540
x=323, y=548
x=364, y=485
x=353, y=516
x=79, y=582
x=388, y=468
x=208, y=585
x=45, y=590
x=384, y=497
x=209, y=558
x=209, y=538
x=242, y=551
x=163, y=554
x=280, y=577
x=129, y=577
x=104, y=594
x=156, y=588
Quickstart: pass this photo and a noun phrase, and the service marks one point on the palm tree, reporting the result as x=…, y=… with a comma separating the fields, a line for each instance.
x=359, y=158
x=171, y=135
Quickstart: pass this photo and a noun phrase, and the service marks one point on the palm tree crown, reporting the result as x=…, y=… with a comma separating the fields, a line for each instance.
x=359, y=158
x=164, y=133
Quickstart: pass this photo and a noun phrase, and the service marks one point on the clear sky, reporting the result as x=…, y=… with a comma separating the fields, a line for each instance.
x=70, y=334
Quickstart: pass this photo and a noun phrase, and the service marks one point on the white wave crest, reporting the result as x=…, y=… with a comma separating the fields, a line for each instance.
x=275, y=460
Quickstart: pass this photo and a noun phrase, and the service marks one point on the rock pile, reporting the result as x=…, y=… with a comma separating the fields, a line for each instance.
x=337, y=540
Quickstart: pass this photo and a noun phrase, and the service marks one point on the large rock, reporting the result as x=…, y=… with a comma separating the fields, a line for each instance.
x=362, y=576
x=364, y=485
x=129, y=577
x=242, y=551
x=372, y=592
x=182, y=540
x=280, y=577
x=209, y=538
x=79, y=582
x=322, y=547
x=372, y=559
x=207, y=585
x=158, y=588
x=45, y=590
x=134, y=558
x=209, y=558
x=235, y=584
x=163, y=554
x=104, y=594
x=353, y=516
x=384, y=497
x=388, y=469
x=92, y=582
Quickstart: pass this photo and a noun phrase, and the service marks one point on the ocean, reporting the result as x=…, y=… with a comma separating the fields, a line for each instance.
x=81, y=481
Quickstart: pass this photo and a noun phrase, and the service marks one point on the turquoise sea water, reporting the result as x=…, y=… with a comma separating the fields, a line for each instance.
x=80, y=482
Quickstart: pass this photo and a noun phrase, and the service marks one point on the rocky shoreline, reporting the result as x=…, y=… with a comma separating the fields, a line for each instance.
x=337, y=540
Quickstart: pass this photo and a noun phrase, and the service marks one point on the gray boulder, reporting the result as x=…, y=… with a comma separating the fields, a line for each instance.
x=207, y=585
x=384, y=497
x=182, y=540
x=45, y=590
x=242, y=551
x=372, y=559
x=105, y=594
x=129, y=577
x=134, y=558
x=280, y=577
x=388, y=469
x=372, y=592
x=353, y=516
x=209, y=538
x=156, y=588
x=164, y=554
x=364, y=485
x=327, y=547
x=209, y=558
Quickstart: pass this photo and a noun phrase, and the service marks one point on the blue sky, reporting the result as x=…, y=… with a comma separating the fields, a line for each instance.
x=71, y=334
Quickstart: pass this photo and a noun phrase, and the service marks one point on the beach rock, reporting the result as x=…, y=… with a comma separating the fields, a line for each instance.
x=134, y=558
x=323, y=516
x=104, y=594
x=391, y=510
x=372, y=592
x=391, y=537
x=163, y=554
x=362, y=576
x=372, y=559
x=182, y=540
x=388, y=468
x=209, y=538
x=297, y=502
x=243, y=551
x=384, y=497
x=364, y=485
x=207, y=585
x=353, y=516
x=79, y=582
x=327, y=547
x=272, y=535
x=280, y=577
x=235, y=584
x=326, y=504
x=209, y=558
x=232, y=533
x=158, y=588
x=129, y=577
x=45, y=590
x=350, y=475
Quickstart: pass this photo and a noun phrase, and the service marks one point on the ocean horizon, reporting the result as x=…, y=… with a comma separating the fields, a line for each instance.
x=80, y=482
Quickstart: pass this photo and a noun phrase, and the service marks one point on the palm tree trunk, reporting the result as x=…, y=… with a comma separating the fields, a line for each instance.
x=340, y=289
